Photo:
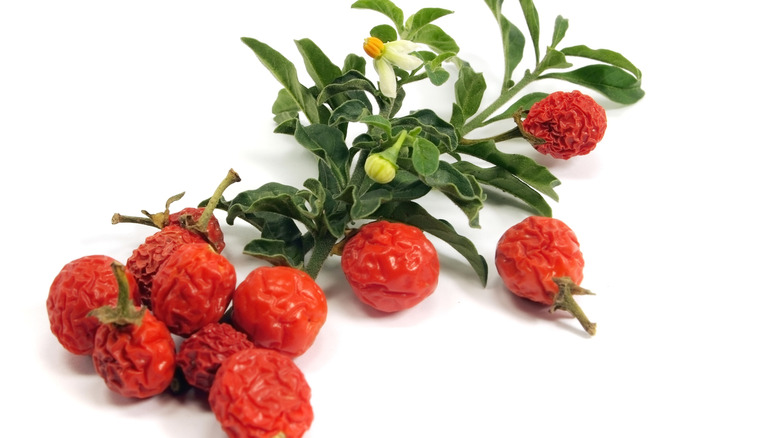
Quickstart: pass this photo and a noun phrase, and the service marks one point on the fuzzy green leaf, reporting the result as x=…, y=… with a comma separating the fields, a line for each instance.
x=436, y=38
x=421, y=18
x=461, y=189
x=385, y=7
x=553, y=59
x=276, y=198
x=512, y=40
x=327, y=143
x=413, y=214
x=354, y=62
x=318, y=65
x=384, y=32
x=425, y=156
x=504, y=180
x=525, y=168
x=561, y=26
x=285, y=72
x=434, y=129
x=469, y=90
x=532, y=20
x=613, y=82
x=350, y=111
x=605, y=56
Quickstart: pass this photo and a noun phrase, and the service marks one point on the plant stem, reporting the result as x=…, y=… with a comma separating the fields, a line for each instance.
x=323, y=246
x=124, y=312
x=564, y=300
x=479, y=119
x=203, y=221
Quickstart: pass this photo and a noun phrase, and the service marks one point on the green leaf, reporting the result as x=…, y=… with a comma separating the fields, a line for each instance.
x=385, y=7
x=425, y=156
x=525, y=168
x=284, y=108
x=532, y=19
x=457, y=119
x=327, y=143
x=333, y=213
x=522, y=104
x=318, y=65
x=434, y=129
x=413, y=214
x=354, y=62
x=421, y=18
x=281, y=243
x=553, y=59
x=352, y=81
x=615, y=83
x=276, y=198
x=365, y=205
x=407, y=186
x=380, y=122
x=504, y=180
x=284, y=71
x=469, y=90
x=384, y=32
x=561, y=26
x=434, y=37
x=605, y=56
x=463, y=190
x=350, y=111
x=513, y=42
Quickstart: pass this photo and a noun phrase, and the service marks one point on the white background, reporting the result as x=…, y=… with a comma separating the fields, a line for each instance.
x=114, y=106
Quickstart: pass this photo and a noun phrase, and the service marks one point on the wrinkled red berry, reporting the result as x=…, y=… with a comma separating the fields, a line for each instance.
x=213, y=235
x=390, y=266
x=570, y=123
x=200, y=356
x=135, y=360
x=146, y=260
x=261, y=393
x=530, y=254
x=81, y=286
x=192, y=288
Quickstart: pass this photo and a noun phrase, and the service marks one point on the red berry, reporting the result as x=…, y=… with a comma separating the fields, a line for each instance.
x=261, y=393
x=213, y=235
x=200, y=356
x=390, y=266
x=81, y=286
x=570, y=124
x=146, y=260
x=192, y=288
x=280, y=308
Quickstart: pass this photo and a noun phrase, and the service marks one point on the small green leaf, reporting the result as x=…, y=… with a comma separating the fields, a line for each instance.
x=285, y=72
x=512, y=39
x=270, y=198
x=615, y=83
x=384, y=32
x=350, y=111
x=522, y=104
x=532, y=19
x=525, y=168
x=605, y=56
x=420, y=18
x=380, y=122
x=434, y=129
x=413, y=214
x=461, y=189
x=354, y=62
x=457, y=119
x=469, y=90
x=385, y=7
x=504, y=180
x=425, y=156
x=561, y=26
x=366, y=205
x=406, y=186
x=327, y=143
x=553, y=59
x=281, y=243
x=318, y=65
x=434, y=37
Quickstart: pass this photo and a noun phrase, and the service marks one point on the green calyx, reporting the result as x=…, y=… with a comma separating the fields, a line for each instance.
x=381, y=167
x=124, y=312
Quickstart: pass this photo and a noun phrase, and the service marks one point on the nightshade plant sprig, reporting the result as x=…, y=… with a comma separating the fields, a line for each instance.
x=395, y=160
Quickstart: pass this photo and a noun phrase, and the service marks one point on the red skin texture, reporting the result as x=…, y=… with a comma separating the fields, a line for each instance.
x=390, y=266
x=280, y=308
x=192, y=288
x=260, y=393
x=570, y=123
x=135, y=361
x=81, y=286
x=533, y=252
x=200, y=356
x=146, y=260
x=214, y=233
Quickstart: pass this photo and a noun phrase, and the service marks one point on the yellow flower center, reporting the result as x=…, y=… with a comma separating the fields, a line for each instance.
x=373, y=47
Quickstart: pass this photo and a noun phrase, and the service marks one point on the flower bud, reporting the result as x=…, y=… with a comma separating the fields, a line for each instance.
x=380, y=169
x=373, y=47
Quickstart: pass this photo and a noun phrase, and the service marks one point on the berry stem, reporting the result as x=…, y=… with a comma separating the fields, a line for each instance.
x=203, y=221
x=124, y=312
x=564, y=300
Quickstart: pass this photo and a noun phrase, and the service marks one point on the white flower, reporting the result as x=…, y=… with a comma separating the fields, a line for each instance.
x=386, y=55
